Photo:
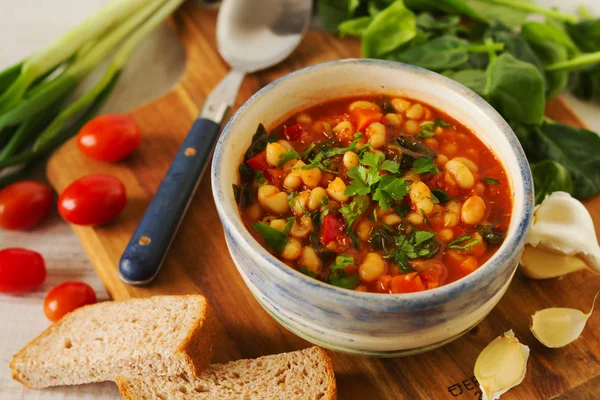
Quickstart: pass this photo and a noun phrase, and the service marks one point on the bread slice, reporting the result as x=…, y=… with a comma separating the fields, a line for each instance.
x=162, y=335
x=305, y=374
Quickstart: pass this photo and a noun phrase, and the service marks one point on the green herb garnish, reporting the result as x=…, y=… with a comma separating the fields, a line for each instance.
x=306, y=272
x=286, y=156
x=428, y=130
x=456, y=243
x=424, y=165
x=490, y=181
x=338, y=276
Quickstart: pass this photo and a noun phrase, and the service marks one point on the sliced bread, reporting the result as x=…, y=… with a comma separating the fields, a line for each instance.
x=162, y=335
x=299, y=375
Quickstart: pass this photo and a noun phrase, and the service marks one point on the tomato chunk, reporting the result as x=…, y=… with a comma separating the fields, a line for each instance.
x=364, y=118
x=408, y=283
x=293, y=132
x=259, y=163
x=332, y=227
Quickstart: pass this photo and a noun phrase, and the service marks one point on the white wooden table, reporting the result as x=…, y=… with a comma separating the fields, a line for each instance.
x=27, y=25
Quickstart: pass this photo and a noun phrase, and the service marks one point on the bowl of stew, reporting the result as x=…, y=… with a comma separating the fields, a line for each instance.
x=372, y=207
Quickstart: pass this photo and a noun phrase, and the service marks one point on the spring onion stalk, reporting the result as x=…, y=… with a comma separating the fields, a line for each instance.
x=33, y=92
x=80, y=68
x=521, y=5
x=578, y=62
x=114, y=13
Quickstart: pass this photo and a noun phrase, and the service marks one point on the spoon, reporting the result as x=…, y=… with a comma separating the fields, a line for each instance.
x=251, y=36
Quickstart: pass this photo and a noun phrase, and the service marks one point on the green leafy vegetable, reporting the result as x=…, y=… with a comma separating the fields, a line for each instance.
x=307, y=272
x=424, y=165
x=441, y=195
x=353, y=210
x=288, y=155
x=390, y=189
x=390, y=29
x=338, y=276
x=355, y=27
x=419, y=244
x=490, y=181
x=428, y=130
x=516, y=89
x=462, y=243
x=275, y=239
x=548, y=177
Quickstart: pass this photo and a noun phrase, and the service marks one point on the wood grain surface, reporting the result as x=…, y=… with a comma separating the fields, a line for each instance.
x=199, y=262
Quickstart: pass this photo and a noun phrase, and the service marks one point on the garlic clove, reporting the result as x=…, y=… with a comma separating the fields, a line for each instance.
x=501, y=366
x=562, y=224
x=557, y=327
x=537, y=263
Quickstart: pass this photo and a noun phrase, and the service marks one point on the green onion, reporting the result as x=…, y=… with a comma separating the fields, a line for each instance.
x=35, y=92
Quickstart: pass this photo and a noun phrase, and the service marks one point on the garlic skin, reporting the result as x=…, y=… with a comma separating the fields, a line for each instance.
x=501, y=366
x=557, y=327
x=562, y=225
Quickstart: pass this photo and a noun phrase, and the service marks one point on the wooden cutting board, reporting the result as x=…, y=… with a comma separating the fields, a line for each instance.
x=199, y=261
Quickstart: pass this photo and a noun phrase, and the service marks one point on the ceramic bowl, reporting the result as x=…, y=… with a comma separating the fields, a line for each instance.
x=345, y=320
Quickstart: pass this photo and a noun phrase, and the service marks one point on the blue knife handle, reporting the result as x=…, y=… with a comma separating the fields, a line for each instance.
x=149, y=244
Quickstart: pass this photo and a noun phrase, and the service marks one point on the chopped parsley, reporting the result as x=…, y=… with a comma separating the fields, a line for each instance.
x=424, y=165
x=288, y=225
x=456, y=243
x=424, y=216
x=291, y=197
x=288, y=155
x=417, y=245
x=384, y=188
x=353, y=210
x=428, y=130
x=358, y=135
x=490, y=181
x=275, y=239
x=338, y=276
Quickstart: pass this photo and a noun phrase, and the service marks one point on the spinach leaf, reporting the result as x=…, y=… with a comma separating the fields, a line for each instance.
x=474, y=79
x=506, y=14
x=516, y=89
x=390, y=29
x=459, y=7
x=513, y=43
x=552, y=45
x=548, y=177
x=354, y=27
x=275, y=239
x=334, y=12
x=447, y=24
x=576, y=149
x=586, y=34
x=587, y=84
x=446, y=52
x=441, y=195
x=259, y=142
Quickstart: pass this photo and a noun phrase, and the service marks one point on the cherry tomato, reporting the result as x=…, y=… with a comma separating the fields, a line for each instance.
x=24, y=204
x=110, y=137
x=92, y=200
x=66, y=297
x=21, y=270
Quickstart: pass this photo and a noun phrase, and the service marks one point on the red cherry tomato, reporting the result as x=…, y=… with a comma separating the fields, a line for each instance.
x=110, y=137
x=259, y=163
x=66, y=297
x=24, y=204
x=21, y=270
x=92, y=200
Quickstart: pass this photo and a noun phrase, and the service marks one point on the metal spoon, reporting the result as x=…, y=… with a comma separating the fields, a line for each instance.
x=251, y=35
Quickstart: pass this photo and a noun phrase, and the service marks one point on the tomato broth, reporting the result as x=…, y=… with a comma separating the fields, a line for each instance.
x=376, y=194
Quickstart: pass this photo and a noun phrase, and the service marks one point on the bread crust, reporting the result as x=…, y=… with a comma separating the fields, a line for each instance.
x=197, y=349
x=129, y=392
